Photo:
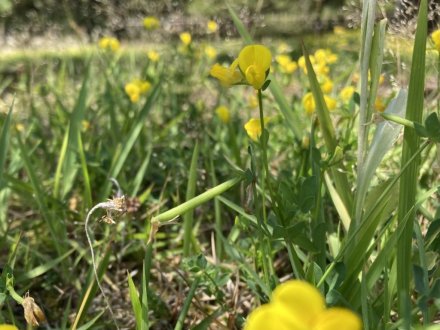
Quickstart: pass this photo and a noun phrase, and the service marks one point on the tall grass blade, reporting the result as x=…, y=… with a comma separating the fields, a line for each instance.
x=4, y=143
x=408, y=181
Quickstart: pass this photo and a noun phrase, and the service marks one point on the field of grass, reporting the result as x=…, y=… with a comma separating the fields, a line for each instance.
x=137, y=191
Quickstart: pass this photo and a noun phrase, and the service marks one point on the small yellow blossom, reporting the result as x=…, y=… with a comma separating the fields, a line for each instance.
x=254, y=62
x=136, y=88
x=227, y=76
x=327, y=86
x=151, y=23
x=347, y=93
x=85, y=125
x=299, y=305
x=223, y=113
x=212, y=27
x=210, y=52
x=286, y=63
x=435, y=36
x=19, y=127
x=109, y=43
x=379, y=105
x=309, y=103
x=185, y=37
x=253, y=127
x=153, y=56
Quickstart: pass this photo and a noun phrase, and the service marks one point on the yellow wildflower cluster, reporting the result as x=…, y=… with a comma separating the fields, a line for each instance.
x=251, y=67
x=136, y=88
x=253, y=127
x=151, y=23
x=321, y=61
x=286, y=64
x=309, y=103
x=299, y=305
x=435, y=36
x=109, y=43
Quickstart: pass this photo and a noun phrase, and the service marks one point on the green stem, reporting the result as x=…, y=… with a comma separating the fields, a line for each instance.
x=196, y=201
x=12, y=292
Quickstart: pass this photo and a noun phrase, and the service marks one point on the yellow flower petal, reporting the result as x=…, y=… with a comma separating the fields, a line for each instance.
x=302, y=299
x=253, y=128
x=309, y=103
x=435, y=36
x=8, y=327
x=337, y=319
x=212, y=26
x=267, y=317
x=347, y=93
x=227, y=76
x=254, y=62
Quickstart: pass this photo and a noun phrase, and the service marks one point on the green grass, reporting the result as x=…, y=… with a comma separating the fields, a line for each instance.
x=215, y=221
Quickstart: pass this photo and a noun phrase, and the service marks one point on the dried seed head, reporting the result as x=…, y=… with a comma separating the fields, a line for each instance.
x=32, y=312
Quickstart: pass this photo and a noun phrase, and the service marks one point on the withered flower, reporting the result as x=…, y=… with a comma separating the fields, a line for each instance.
x=32, y=312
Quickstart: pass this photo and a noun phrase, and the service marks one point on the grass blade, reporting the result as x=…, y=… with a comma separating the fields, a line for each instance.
x=188, y=217
x=408, y=181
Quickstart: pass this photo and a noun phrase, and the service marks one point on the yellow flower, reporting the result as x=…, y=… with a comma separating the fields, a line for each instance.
x=254, y=62
x=379, y=105
x=302, y=62
x=223, y=113
x=253, y=127
x=185, y=37
x=327, y=86
x=297, y=305
x=153, y=56
x=339, y=30
x=227, y=76
x=109, y=43
x=347, y=93
x=136, y=88
x=309, y=103
x=286, y=63
x=212, y=26
x=8, y=327
x=151, y=23
x=435, y=36
x=210, y=52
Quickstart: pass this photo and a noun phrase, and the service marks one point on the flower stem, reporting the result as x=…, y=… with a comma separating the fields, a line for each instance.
x=12, y=292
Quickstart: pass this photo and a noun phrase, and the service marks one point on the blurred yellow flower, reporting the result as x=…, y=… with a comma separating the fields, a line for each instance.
x=435, y=36
x=302, y=62
x=210, y=52
x=253, y=127
x=286, y=63
x=339, y=30
x=223, y=113
x=347, y=93
x=379, y=105
x=153, y=56
x=151, y=23
x=109, y=43
x=254, y=62
x=253, y=101
x=185, y=37
x=327, y=86
x=212, y=26
x=135, y=88
x=297, y=305
x=309, y=103
x=227, y=76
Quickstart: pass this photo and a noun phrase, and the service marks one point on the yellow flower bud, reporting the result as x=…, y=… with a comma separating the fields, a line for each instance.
x=185, y=38
x=212, y=27
x=223, y=113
